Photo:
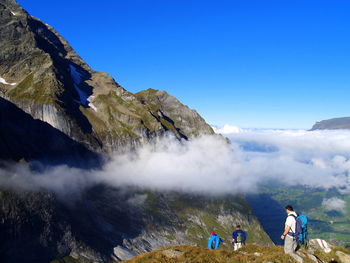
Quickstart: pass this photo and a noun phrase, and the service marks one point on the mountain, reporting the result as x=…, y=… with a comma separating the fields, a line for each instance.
x=332, y=124
x=56, y=110
x=42, y=75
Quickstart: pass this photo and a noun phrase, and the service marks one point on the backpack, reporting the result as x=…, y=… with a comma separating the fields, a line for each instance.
x=213, y=242
x=239, y=238
x=300, y=229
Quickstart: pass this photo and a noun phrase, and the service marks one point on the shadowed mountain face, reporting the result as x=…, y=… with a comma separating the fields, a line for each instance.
x=38, y=227
x=333, y=124
x=22, y=137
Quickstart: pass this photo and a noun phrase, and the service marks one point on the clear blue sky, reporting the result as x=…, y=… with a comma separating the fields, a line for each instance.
x=252, y=63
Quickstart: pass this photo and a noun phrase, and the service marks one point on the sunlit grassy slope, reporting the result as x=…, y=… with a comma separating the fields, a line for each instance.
x=249, y=253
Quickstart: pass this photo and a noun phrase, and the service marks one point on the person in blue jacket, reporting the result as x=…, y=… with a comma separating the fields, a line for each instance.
x=214, y=241
x=238, y=238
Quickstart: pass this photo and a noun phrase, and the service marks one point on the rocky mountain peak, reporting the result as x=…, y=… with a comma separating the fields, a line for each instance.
x=42, y=75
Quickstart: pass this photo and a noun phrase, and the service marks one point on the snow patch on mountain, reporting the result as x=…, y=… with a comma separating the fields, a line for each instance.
x=91, y=105
x=84, y=98
x=3, y=81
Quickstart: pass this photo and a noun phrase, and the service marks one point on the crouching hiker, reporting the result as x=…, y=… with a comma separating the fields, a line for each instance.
x=290, y=242
x=238, y=238
x=214, y=241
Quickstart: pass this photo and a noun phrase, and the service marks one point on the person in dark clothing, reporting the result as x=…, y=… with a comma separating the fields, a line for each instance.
x=238, y=238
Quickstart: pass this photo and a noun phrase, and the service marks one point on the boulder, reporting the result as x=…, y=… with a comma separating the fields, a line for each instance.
x=319, y=244
x=343, y=257
x=172, y=253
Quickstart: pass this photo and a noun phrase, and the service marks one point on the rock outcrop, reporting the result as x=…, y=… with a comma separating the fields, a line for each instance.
x=343, y=257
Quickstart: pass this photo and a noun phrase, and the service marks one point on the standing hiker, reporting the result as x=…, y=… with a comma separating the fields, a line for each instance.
x=238, y=238
x=214, y=241
x=290, y=242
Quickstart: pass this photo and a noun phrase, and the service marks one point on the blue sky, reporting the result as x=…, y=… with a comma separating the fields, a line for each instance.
x=251, y=63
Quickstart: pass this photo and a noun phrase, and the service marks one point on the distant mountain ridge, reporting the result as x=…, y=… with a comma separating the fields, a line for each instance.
x=333, y=124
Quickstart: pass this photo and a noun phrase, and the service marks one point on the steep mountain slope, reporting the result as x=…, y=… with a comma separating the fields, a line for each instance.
x=44, y=76
x=333, y=124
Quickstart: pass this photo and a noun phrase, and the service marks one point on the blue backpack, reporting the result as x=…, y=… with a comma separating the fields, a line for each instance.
x=213, y=242
x=300, y=229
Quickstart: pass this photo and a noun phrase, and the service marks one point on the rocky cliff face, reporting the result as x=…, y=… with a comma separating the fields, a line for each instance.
x=333, y=124
x=103, y=221
x=24, y=138
x=44, y=76
x=54, y=109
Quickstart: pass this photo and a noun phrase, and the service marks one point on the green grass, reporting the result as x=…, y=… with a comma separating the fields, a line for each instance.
x=112, y=108
x=27, y=89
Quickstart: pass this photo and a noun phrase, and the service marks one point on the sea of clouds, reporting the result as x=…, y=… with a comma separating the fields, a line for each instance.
x=211, y=165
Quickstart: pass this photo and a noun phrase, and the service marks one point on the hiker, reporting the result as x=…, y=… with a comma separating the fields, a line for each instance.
x=214, y=241
x=290, y=242
x=238, y=238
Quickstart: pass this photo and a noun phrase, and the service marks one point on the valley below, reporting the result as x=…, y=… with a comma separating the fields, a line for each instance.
x=328, y=223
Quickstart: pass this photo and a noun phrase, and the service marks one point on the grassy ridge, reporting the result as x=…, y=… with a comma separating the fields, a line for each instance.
x=249, y=253
x=195, y=254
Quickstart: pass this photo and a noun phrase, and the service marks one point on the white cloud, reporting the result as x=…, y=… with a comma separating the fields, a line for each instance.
x=334, y=203
x=210, y=165
x=227, y=129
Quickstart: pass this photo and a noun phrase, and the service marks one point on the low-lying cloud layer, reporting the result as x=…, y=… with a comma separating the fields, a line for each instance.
x=312, y=158
x=210, y=165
